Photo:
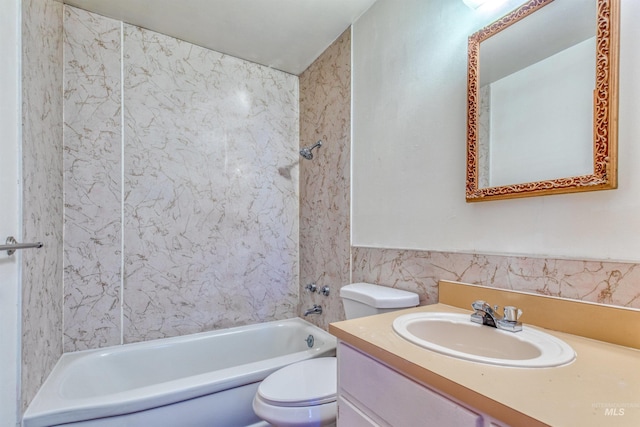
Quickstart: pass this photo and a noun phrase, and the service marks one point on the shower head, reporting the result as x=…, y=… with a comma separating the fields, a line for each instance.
x=306, y=152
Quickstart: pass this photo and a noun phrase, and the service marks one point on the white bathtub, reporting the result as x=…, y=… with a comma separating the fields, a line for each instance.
x=205, y=379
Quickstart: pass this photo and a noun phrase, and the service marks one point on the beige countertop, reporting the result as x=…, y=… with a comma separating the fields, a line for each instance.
x=600, y=388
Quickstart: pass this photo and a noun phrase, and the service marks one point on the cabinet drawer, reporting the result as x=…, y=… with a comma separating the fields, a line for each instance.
x=350, y=416
x=394, y=398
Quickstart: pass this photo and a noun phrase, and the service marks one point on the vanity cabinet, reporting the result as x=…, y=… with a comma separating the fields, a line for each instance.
x=370, y=394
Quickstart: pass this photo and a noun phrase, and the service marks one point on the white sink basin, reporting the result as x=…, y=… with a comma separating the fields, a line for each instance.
x=455, y=335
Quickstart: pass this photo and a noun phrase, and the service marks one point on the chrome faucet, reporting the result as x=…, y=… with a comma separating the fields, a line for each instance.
x=316, y=309
x=484, y=314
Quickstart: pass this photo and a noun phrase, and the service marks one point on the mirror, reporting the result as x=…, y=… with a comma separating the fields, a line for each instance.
x=542, y=101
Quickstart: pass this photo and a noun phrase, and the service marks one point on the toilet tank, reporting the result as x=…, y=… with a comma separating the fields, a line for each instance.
x=366, y=299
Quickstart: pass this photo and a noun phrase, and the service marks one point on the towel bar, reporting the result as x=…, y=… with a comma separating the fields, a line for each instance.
x=13, y=245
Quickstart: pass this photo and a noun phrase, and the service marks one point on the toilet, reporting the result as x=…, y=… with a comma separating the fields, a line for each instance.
x=304, y=393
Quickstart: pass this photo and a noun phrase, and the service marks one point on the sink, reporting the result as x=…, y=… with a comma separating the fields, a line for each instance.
x=455, y=335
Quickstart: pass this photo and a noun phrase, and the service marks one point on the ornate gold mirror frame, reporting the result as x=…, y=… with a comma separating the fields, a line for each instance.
x=605, y=106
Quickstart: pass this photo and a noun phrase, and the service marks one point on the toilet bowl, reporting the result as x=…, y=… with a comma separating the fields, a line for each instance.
x=304, y=394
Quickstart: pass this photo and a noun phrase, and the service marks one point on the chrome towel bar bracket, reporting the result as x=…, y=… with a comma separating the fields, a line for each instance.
x=12, y=245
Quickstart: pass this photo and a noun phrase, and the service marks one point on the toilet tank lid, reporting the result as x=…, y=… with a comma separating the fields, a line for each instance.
x=379, y=296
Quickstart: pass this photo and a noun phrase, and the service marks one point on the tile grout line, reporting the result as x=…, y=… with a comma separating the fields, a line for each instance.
x=121, y=182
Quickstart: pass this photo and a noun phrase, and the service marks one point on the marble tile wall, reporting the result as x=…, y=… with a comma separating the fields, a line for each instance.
x=210, y=221
x=208, y=205
x=42, y=191
x=92, y=180
x=604, y=282
x=325, y=103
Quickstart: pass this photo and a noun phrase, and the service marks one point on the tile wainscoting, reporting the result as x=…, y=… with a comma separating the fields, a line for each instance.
x=604, y=282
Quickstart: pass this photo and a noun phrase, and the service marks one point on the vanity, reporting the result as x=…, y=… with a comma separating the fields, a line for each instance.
x=386, y=380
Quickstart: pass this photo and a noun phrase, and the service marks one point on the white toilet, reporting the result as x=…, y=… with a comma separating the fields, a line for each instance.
x=304, y=393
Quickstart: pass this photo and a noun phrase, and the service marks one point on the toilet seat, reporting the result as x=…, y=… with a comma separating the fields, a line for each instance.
x=308, y=383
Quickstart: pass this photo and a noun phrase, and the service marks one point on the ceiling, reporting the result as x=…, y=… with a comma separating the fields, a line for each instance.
x=284, y=34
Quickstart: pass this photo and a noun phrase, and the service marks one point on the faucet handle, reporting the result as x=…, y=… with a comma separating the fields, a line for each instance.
x=512, y=313
x=479, y=305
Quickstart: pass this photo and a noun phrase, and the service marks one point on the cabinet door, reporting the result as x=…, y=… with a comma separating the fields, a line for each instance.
x=386, y=395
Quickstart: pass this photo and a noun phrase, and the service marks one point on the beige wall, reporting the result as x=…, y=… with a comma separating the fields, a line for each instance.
x=41, y=191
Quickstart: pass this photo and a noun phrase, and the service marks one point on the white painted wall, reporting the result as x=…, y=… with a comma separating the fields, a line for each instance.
x=10, y=119
x=409, y=130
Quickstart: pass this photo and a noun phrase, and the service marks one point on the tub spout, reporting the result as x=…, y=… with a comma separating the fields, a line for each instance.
x=315, y=310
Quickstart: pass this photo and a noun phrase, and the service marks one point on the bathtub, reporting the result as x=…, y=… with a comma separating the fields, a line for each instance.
x=207, y=379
